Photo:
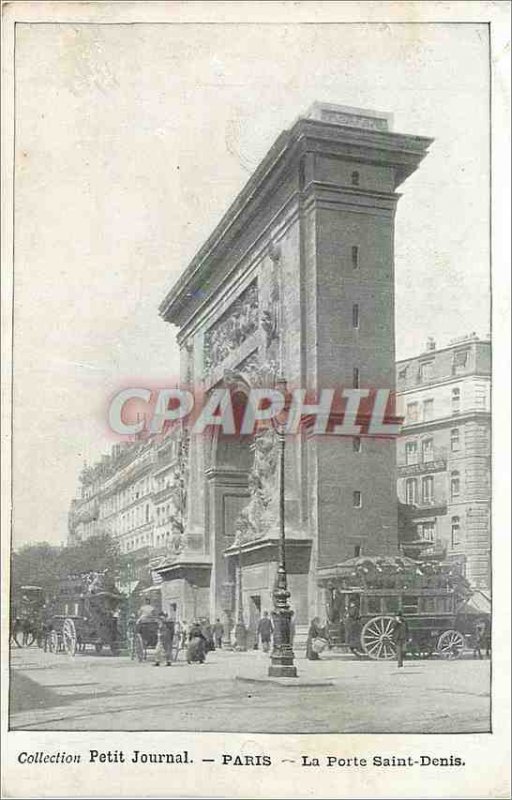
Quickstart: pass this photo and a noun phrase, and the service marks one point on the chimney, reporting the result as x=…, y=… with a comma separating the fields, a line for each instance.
x=431, y=344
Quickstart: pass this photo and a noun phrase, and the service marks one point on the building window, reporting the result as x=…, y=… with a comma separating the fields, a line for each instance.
x=355, y=257
x=460, y=360
x=427, y=490
x=356, y=444
x=455, y=440
x=411, y=453
x=427, y=531
x=411, y=491
x=355, y=316
x=402, y=374
x=426, y=371
x=412, y=412
x=455, y=484
x=428, y=410
x=357, y=500
x=427, y=450
x=355, y=378
x=455, y=401
x=354, y=178
x=455, y=531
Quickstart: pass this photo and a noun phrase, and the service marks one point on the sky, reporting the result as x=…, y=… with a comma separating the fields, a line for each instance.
x=132, y=141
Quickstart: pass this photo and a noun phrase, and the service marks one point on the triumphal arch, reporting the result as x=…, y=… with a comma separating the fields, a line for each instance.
x=296, y=281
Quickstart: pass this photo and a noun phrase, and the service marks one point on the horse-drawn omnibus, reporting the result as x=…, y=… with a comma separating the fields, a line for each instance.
x=363, y=595
x=86, y=612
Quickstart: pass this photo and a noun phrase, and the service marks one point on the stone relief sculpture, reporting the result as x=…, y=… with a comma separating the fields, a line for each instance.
x=178, y=496
x=239, y=322
x=260, y=515
x=270, y=316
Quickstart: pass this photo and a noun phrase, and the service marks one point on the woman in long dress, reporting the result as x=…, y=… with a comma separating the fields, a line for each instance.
x=196, y=651
x=316, y=631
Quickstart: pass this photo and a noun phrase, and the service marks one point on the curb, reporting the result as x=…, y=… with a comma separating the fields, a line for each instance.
x=288, y=682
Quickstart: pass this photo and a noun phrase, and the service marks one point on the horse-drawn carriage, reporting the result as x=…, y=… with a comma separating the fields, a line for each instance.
x=151, y=633
x=86, y=612
x=363, y=595
x=27, y=615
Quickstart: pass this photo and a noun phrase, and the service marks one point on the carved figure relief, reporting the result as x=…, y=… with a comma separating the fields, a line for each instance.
x=270, y=316
x=260, y=515
x=178, y=495
x=239, y=322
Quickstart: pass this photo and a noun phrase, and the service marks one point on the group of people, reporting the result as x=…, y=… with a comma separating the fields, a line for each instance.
x=196, y=639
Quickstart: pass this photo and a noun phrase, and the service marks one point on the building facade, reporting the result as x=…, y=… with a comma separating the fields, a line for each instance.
x=135, y=494
x=297, y=281
x=444, y=452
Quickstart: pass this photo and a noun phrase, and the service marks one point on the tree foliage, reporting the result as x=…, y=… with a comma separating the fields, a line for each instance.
x=43, y=564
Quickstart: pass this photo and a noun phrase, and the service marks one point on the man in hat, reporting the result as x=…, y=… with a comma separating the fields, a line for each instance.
x=165, y=640
x=400, y=634
x=265, y=631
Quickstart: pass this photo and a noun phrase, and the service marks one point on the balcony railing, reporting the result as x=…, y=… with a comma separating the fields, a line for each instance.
x=436, y=463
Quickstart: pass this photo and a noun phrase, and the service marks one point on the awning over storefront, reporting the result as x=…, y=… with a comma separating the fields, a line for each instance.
x=478, y=603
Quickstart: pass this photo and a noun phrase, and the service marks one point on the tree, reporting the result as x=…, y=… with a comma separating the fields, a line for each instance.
x=43, y=564
x=92, y=555
x=35, y=564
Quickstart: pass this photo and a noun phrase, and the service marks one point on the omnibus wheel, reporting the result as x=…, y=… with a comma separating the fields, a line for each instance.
x=376, y=639
x=69, y=637
x=140, y=649
x=29, y=638
x=451, y=644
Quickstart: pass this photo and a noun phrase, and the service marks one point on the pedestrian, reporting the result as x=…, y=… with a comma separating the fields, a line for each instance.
x=184, y=627
x=481, y=639
x=400, y=634
x=265, y=631
x=292, y=627
x=207, y=632
x=317, y=639
x=165, y=638
x=196, y=650
x=130, y=633
x=218, y=633
x=353, y=629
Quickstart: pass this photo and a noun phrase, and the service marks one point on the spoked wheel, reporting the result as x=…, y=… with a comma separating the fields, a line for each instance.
x=69, y=637
x=140, y=649
x=24, y=638
x=451, y=644
x=376, y=639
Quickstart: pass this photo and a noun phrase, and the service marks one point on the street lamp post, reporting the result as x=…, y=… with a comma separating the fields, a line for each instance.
x=240, y=629
x=282, y=655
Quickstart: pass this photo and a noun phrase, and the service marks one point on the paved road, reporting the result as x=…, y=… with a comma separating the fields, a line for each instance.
x=90, y=692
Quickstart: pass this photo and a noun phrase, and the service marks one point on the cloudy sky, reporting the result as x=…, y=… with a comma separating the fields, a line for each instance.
x=132, y=140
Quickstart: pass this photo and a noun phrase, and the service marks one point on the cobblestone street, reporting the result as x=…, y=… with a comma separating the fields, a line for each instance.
x=336, y=694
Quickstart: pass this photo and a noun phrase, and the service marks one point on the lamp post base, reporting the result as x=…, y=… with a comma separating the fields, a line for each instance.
x=280, y=670
x=282, y=656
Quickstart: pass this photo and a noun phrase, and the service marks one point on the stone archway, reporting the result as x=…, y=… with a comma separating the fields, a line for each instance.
x=227, y=493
